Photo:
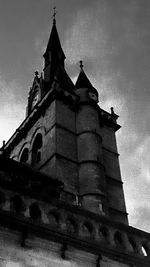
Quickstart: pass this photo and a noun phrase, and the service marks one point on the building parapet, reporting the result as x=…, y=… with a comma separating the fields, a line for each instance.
x=53, y=219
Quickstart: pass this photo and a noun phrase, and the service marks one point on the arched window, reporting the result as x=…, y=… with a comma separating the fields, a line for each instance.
x=36, y=153
x=24, y=156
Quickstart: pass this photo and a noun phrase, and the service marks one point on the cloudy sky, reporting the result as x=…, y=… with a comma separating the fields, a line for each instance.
x=112, y=37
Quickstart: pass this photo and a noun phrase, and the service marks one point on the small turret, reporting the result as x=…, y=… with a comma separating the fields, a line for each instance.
x=84, y=88
x=91, y=169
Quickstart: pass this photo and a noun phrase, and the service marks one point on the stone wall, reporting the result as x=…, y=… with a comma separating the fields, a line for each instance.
x=42, y=253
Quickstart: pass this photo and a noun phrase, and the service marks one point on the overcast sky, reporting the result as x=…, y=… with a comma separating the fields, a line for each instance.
x=112, y=37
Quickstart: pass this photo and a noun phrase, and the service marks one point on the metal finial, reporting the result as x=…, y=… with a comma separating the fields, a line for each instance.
x=36, y=73
x=81, y=64
x=54, y=15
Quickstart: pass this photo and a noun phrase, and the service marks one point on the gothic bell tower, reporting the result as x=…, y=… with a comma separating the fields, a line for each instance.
x=67, y=136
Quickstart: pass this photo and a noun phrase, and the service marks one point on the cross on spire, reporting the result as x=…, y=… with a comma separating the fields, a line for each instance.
x=54, y=15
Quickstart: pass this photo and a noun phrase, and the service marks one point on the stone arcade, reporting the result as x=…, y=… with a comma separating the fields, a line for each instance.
x=61, y=193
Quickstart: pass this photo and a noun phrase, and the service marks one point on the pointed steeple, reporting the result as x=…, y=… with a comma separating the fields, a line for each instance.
x=54, y=54
x=82, y=80
x=54, y=51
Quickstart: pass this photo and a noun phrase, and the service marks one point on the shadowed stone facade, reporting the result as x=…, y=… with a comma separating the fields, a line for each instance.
x=61, y=192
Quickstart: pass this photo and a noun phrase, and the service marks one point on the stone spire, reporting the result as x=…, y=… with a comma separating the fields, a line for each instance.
x=54, y=55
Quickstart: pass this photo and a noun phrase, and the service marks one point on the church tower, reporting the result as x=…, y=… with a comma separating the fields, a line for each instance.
x=60, y=177
x=71, y=138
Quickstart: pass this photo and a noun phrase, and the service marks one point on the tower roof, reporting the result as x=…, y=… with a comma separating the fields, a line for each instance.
x=54, y=46
x=83, y=81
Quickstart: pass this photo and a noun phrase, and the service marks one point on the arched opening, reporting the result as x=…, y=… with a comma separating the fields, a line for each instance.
x=118, y=240
x=36, y=149
x=103, y=231
x=17, y=204
x=71, y=225
x=24, y=156
x=144, y=250
x=35, y=212
x=87, y=229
